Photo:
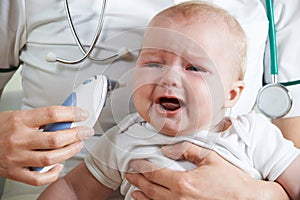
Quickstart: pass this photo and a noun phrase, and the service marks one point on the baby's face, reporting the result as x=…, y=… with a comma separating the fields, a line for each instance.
x=181, y=79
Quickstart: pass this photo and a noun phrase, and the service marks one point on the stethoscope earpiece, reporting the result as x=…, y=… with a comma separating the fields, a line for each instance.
x=122, y=52
x=50, y=57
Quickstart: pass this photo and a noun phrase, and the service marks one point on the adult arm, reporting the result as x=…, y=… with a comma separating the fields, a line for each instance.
x=290, y=179
x=290, y=128
x=77, y=184
x=24, y=145
x=214, y=178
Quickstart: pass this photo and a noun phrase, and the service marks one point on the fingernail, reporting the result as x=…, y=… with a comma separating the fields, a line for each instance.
x=81, y=114
x=171, y=152
x=85, y=132
x=80, y=145
x=128, y=176
x=133, y=194
x=61, y=167
x=134, y=164
x=166, y=148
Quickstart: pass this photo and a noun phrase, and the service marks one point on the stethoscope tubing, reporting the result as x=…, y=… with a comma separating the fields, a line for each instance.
x=79, y=44
x=275, y=92
x=273, y=46
x=272, y=40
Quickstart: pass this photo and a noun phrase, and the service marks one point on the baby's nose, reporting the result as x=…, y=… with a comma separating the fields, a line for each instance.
x=171, y=78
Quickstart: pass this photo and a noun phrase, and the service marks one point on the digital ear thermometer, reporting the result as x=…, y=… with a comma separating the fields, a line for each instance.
x=90, y=96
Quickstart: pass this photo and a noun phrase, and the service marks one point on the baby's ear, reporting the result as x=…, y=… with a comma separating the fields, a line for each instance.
x=234, y=94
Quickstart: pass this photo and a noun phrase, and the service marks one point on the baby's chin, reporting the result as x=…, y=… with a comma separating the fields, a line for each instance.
x=182, y=130
x=175, y=132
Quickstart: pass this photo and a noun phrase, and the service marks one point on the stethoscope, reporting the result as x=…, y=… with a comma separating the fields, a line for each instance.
x=274, y=99
x=51, y=57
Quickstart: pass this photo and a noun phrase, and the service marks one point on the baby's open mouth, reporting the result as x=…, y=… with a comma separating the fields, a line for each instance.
x=170, y=104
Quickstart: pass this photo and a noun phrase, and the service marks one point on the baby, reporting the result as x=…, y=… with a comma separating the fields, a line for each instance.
x=189, y=72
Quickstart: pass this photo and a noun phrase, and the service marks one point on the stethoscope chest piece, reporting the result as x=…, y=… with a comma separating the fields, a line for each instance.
x=274, y=100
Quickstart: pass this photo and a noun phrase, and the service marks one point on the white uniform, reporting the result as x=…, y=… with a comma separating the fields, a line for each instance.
x=30, y=29
x=251, y=143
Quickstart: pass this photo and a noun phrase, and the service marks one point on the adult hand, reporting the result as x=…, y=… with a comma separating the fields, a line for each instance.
x=23, y=144
x=214, y=178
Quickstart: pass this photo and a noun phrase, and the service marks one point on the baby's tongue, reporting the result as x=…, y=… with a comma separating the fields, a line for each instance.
x=170, y=105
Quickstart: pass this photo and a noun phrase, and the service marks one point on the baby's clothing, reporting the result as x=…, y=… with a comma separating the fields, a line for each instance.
x=251, y=143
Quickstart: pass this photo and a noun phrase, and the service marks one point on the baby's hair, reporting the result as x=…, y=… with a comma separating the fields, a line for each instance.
x=207, y=12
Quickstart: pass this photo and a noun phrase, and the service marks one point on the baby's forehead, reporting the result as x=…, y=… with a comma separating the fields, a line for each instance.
x=188, y=31
x=171, y=40
x=194, y=12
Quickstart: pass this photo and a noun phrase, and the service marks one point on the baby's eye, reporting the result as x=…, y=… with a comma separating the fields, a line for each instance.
x=195, y=68
x=153, y=65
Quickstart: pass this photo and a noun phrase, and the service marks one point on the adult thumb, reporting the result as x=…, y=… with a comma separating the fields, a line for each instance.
x=186, y=151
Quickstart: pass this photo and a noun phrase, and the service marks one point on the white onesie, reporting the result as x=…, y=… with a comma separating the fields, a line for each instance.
x=252, y=143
